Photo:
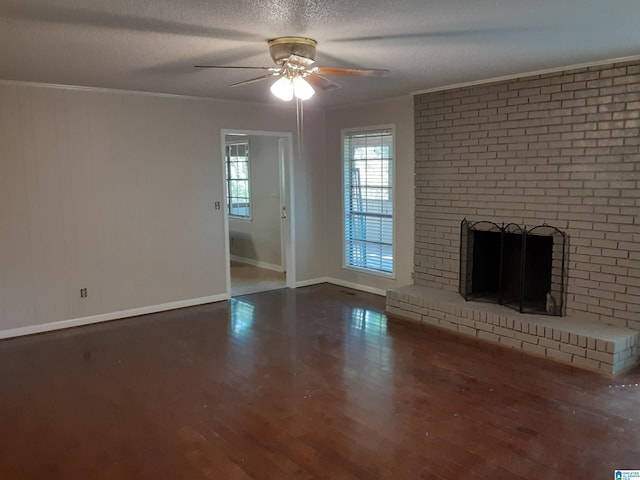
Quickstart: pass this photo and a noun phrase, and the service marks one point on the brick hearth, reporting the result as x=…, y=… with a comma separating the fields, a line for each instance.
x=560, y=148
x=581, y=343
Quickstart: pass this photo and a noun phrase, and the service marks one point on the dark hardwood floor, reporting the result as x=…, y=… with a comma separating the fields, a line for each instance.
x=301, y=384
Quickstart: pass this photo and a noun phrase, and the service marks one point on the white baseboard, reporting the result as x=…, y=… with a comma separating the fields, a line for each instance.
x=258, y=263
x=105, y=317
x=356, y=286
x=312, y=281
x=341, y=283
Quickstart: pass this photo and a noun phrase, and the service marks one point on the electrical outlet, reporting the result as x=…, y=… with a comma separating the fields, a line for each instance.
x=83, y=293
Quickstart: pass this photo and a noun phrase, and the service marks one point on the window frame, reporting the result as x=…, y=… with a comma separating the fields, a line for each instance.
x=351, y=132
x=228, y=180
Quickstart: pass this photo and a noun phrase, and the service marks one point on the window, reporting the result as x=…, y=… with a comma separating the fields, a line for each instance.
x=238, y=182
x=368, y=200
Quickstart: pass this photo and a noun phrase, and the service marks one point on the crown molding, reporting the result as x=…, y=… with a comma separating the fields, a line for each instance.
x=514, y=76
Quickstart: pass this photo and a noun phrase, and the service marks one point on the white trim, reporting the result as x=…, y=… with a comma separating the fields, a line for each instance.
x=81, y=88
x=240, y=219
x=105, y=317
x=357, y=286
x=595, y=63
x=282, y=204
x=289, y=223
x=225, y=211
x=257, y=263
x=227, y=204
x=527, y=74
x=375, y=273
x=310, y=282
x=290, y=238
x=370, y=129
x=341, y=283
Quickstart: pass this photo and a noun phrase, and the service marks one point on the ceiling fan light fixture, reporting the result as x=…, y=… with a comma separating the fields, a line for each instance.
x=294, y=59
x=302, y=89
x=282, y=47
x=283, y=89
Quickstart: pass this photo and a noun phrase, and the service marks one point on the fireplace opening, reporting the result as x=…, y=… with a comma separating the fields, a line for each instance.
x=513, y=266
x=485, y=277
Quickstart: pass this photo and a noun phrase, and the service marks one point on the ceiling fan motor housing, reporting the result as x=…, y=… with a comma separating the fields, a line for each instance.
x=282, y=47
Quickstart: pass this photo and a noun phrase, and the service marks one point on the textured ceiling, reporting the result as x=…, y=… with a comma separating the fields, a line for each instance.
x=152, y=45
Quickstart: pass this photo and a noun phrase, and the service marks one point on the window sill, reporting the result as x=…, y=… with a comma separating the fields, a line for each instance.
x=375, y=273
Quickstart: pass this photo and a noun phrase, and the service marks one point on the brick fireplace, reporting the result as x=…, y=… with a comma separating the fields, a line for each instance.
x=561, y=149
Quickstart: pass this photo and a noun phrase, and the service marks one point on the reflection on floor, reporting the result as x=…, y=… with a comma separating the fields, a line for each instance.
x=247, y=279
x=301, y=384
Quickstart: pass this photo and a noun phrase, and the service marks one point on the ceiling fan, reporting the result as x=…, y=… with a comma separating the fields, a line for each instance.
x=296, y=70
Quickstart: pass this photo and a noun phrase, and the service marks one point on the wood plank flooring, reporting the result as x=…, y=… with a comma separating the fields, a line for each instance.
x=247, y=279
x=301, y=384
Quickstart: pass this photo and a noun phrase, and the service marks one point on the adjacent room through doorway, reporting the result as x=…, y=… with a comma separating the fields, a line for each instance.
x=256, y=208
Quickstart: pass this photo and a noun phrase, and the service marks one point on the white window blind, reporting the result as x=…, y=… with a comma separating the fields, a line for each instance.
x=368, y=200
x=238, y=181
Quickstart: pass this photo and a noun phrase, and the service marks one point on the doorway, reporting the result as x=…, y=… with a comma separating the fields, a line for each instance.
x=259, y=217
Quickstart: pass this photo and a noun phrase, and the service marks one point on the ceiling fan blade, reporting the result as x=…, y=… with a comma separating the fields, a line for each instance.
x=362, y=72
x=253, y=80
x=321, y=83
x=243, y=68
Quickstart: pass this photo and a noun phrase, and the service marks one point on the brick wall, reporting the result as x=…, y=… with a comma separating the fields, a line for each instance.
x=561, y=148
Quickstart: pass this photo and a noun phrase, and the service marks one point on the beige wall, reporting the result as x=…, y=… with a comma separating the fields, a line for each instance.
x=310, y=206
x=258, y=238
x=115, y=191
x=399, y=112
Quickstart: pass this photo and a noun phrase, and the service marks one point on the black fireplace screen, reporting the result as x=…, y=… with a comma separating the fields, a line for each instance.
x=514, y=266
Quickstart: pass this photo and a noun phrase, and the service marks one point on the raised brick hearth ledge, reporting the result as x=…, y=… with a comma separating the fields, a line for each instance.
x=580, y=343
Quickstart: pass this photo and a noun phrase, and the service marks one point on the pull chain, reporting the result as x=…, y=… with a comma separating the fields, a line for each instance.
x=300, y=125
